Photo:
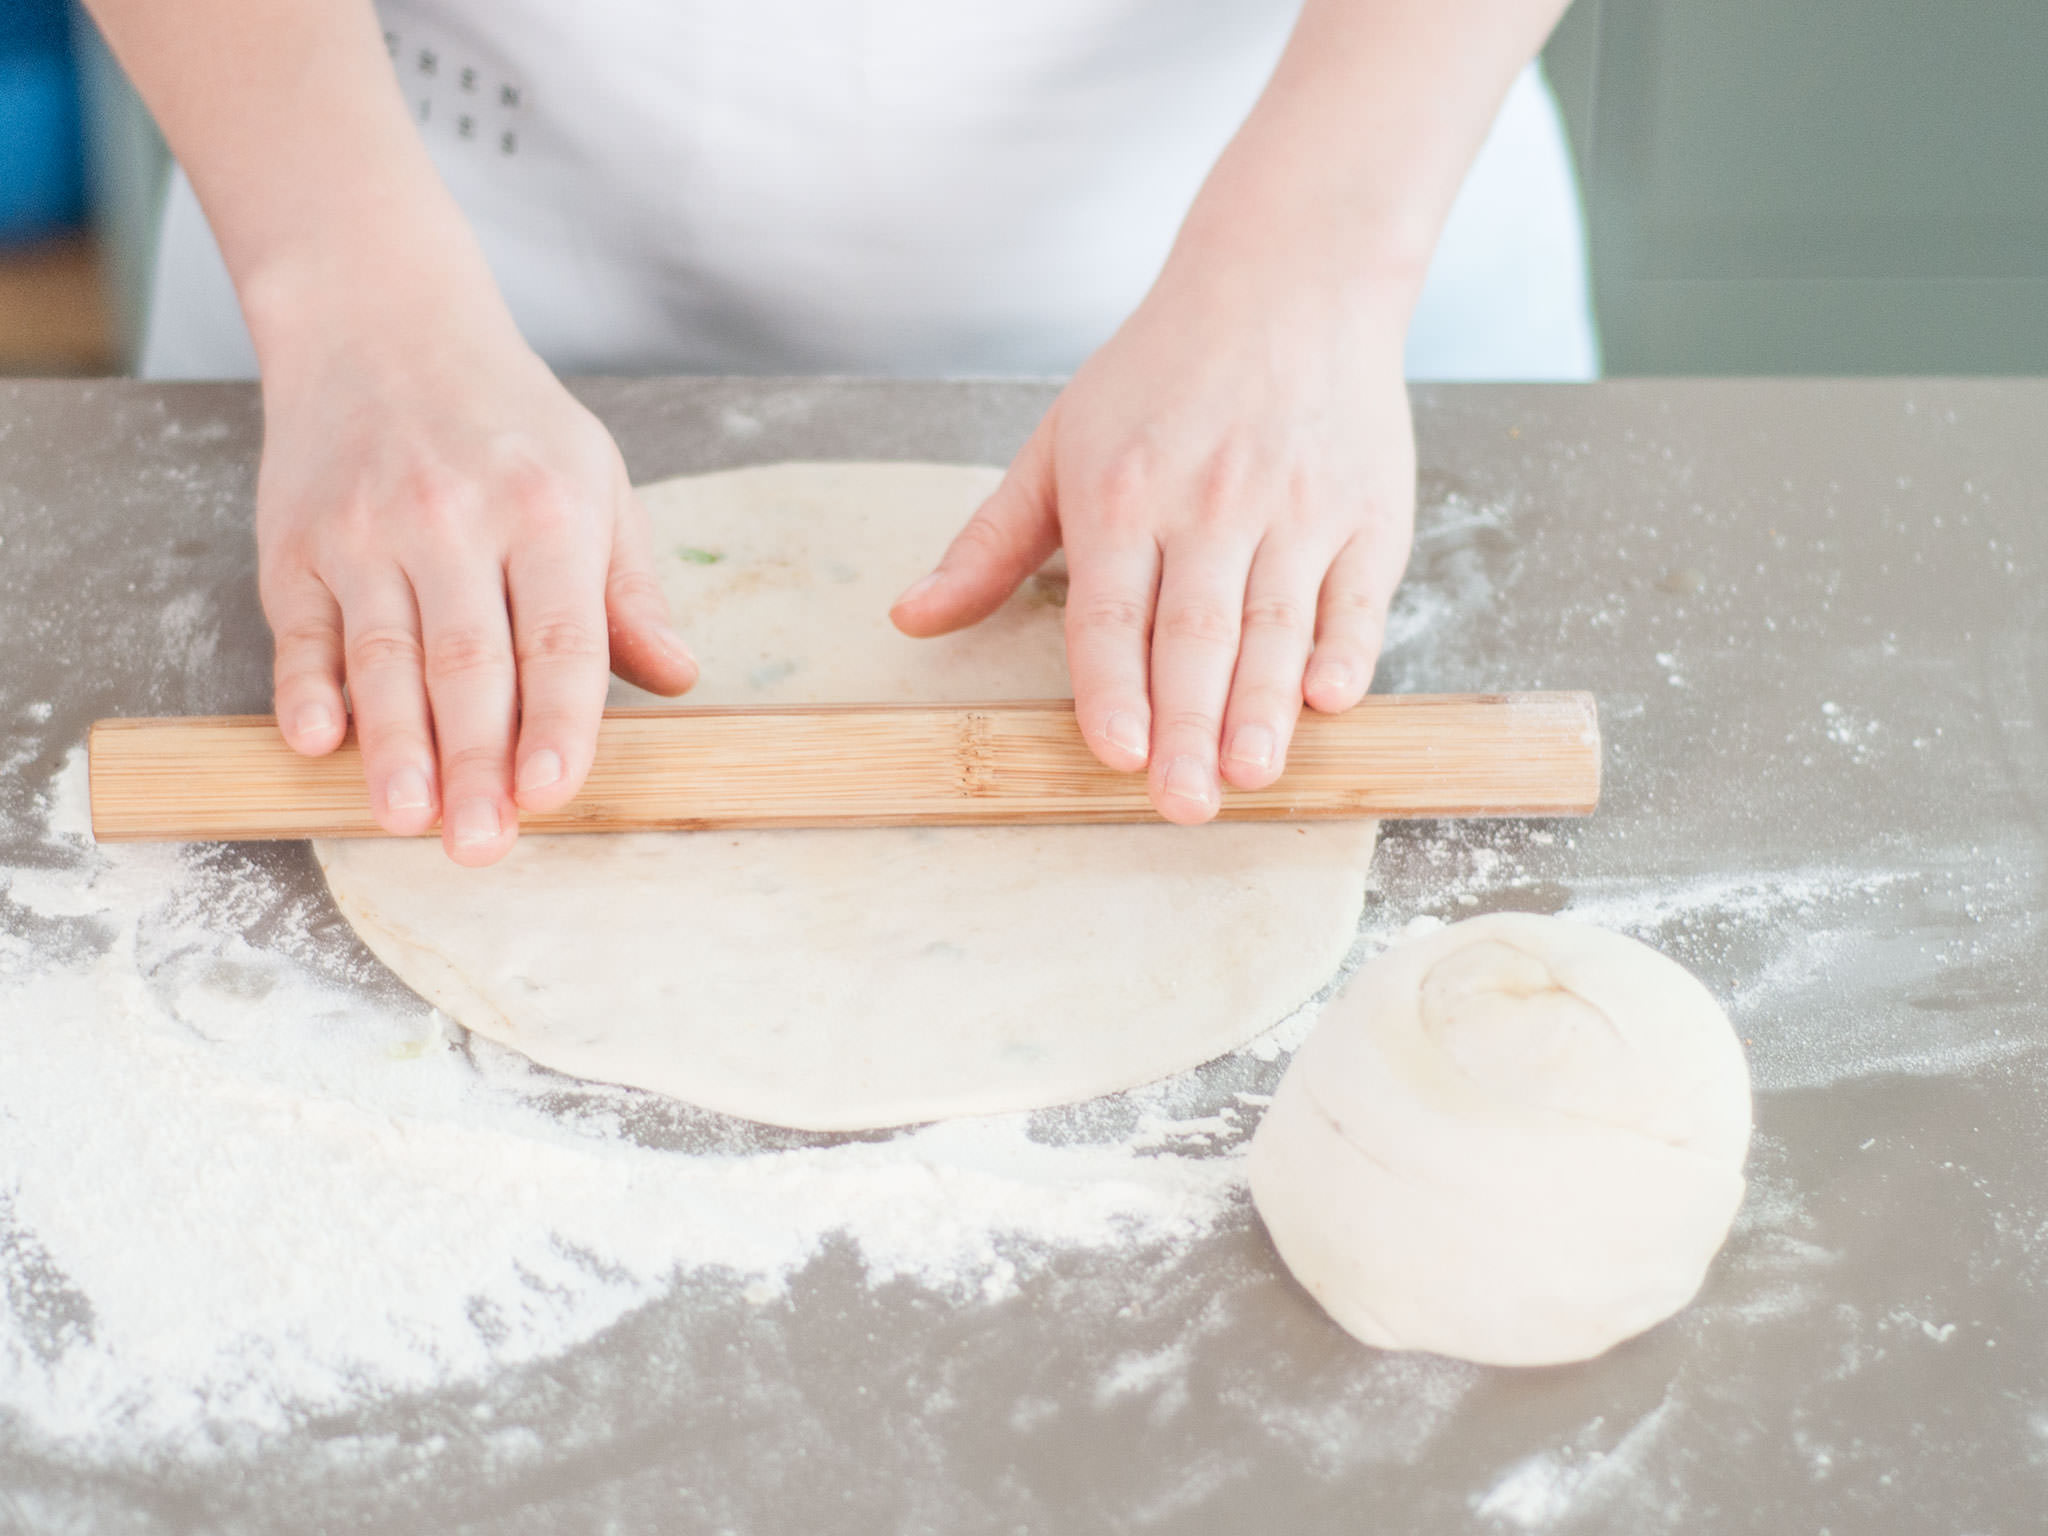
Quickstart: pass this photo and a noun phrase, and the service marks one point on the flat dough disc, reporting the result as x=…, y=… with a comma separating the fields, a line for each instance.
x=849, y=980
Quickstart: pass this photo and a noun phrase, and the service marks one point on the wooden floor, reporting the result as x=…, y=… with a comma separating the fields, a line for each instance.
x=55, y=314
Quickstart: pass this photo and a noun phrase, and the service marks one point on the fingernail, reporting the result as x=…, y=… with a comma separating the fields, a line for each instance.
x=312, y=720
x=1253, y=745
x=475, y=821
x=1331, y=677
x=406, y=790
x=1124, y=731
x=671, y=646
x=918, y=589
x=541, y=769
x=1188, y=778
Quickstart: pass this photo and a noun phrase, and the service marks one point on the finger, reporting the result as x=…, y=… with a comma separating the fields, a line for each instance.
x=645, y=648
x=308, y=671
x=1111, y=586
x=1351, y=623
x=467, y=641
x=1194, y=652
x=556, y=591
x=1011, y=535
x=387, y=688
x=1265, y=691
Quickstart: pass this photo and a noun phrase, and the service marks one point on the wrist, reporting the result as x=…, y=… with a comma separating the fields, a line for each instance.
x=345, y=289
x=1327, y=278
x=1285, y=224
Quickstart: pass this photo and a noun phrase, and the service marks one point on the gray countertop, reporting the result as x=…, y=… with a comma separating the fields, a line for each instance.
x=1815, y=618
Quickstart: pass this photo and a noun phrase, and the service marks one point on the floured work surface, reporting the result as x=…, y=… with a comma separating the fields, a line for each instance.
x=276, y=1249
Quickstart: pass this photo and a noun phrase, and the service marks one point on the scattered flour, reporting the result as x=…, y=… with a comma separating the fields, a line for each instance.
x=1551, y=1486
x=1848, y=730
x=233, y=1192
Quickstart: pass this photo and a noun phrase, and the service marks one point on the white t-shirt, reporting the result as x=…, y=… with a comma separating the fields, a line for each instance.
x=908, y=187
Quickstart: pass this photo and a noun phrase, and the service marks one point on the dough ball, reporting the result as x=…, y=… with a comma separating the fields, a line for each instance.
x=1517, y=1140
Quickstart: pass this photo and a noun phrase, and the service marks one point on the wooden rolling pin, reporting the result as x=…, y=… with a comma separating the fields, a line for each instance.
x=1512, y=754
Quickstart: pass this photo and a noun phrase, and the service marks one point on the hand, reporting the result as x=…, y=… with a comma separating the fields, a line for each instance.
x=1233, y=477
x=444, y=529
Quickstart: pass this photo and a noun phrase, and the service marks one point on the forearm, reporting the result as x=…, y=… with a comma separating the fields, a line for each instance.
x=288, y=119
x=1345, y=170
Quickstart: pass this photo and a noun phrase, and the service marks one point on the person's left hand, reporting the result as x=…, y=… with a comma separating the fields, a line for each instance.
x=1233, y=478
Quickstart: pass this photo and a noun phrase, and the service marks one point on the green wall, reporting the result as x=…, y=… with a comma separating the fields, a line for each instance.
x=1830, y=186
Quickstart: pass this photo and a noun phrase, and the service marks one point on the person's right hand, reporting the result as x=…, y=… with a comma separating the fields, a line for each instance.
x=442, y=528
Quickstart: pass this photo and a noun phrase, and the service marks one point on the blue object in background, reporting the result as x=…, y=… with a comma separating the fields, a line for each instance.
x=42, y=155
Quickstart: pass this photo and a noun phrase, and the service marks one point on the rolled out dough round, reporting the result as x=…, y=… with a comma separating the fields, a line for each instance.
x=836, y=980
x=1517, y=1141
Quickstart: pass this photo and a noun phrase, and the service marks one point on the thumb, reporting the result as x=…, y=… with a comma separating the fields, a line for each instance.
x=1012, y=534
x=646, y=650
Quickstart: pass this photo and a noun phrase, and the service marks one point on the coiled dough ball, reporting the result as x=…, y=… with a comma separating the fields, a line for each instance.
x=1517, y=1140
